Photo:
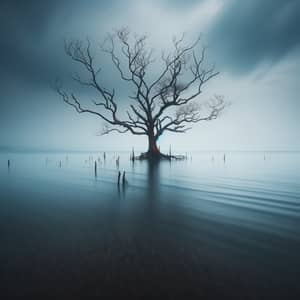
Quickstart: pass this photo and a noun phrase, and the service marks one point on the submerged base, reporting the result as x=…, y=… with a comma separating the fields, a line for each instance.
x=158, y=156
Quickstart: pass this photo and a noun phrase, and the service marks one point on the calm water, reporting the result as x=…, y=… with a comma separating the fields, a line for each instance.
x=202, y=226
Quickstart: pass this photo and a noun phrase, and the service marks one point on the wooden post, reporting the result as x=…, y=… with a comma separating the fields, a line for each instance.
x=119, y=177
x=124, y=178
x=8, y=164
x=95, y=168
x=133, y=157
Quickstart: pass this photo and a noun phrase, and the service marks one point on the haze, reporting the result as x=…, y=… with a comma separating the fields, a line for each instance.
x=254, y=44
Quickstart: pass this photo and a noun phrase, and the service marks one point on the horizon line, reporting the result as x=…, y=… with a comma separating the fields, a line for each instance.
x=60, y=150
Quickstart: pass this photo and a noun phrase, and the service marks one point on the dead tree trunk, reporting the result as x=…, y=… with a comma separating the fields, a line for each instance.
x=165, y=103
x=153, y=150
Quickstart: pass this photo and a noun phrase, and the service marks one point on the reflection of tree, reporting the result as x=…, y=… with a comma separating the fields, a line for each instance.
x=153, y=188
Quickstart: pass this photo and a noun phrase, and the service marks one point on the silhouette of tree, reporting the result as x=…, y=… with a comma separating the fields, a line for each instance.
x=169, y=102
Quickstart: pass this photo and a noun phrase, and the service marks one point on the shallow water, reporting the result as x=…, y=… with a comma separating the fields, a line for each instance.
x=235, y=223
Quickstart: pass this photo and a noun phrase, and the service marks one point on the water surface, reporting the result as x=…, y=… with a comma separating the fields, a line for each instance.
x=206, y=226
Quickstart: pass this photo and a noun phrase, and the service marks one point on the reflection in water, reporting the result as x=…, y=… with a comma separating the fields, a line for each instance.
x=153, y=187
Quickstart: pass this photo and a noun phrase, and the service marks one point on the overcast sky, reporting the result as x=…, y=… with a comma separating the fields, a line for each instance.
x=255, y=44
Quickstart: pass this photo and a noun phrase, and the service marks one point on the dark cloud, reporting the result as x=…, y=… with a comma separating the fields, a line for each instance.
x=250, y=32
x=26, y=15
x=243, y=35
x=23, y=36
x=32, y=37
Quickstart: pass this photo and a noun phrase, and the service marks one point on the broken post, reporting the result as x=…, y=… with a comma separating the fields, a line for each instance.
x=119, y=177
x=133, y=157
x=95, y=168
x=124, y=178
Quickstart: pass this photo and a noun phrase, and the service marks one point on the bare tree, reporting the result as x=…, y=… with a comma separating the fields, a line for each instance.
x=170, y=102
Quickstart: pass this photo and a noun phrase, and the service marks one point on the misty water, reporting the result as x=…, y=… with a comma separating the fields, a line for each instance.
x=202, y=226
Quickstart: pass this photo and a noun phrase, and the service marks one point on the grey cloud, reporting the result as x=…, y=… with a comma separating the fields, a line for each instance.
x=250, y=32
x=23, y=35
x=244, y=34
x=181, y=3
x=31, y=48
